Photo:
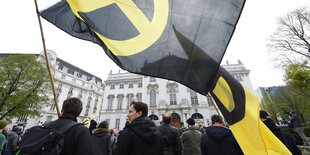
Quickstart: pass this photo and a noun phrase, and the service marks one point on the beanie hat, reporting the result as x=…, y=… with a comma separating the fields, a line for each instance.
x=190, y=121
x=263, y=114
x=3, y=123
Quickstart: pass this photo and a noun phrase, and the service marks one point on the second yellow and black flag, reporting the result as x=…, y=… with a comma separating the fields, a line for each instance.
x=180, y=40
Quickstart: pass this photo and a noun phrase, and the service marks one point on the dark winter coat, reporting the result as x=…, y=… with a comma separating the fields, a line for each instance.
x=140, y=137
x=171, y=139
x=12, y=139
x=295, y=121
x=286, y=138
x=219, y=141
x=101, y=142
x=77, y=139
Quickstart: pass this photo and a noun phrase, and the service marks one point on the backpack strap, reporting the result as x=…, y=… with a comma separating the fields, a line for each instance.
x=68, y=126
x=64, y=128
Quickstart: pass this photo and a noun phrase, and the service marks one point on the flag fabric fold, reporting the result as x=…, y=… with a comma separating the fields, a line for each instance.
x=240, y=109
x=179, y=40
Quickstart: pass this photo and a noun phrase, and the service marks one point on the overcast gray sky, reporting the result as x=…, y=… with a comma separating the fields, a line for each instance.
x=19, y=33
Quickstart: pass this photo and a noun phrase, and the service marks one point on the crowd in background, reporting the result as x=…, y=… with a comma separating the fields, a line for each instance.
x=141, y=136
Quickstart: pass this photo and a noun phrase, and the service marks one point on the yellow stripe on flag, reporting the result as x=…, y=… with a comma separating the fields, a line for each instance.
x=240, y=109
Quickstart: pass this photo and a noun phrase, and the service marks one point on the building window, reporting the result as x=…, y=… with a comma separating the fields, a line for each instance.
x=121, y=86
x=84, y=77
x=80, y=94
x=139, y=97
x=70, y=91
x=88, y=104
x=90, y=96
x=129, y=100
x=65, y=69
x=59, y=87
x=117, y=122
x=194, y=98
x=22, y=118
x=52, y=107
x=119, y=102
x=110, y=102
x=209, y=99
x=239, y=78
x=112, y=86
x=95, y=109
x=173, y=97
x=139, y=84
x=152, y=79
x=86, y=112
x=153, y=98
x=130, y=85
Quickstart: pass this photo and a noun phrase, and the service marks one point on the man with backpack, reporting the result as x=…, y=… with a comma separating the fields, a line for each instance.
x=63, y=136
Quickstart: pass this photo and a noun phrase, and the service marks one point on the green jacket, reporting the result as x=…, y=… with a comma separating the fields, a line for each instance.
x=191, y=142
x=182, y=129
x=2, y=142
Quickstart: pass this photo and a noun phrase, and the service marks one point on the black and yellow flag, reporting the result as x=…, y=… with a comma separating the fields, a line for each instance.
x=180, y=40
x=139, y=34
x=240, y=109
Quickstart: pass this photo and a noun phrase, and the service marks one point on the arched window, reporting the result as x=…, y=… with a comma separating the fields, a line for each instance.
x=194, y=98
x=153, y=98
x=153, y=117
x=173, y=97
x=197, y=116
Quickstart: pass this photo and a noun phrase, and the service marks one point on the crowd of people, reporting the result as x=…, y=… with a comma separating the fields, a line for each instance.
x=141, y=136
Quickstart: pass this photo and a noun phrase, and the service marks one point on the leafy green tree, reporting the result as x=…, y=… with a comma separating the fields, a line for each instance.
x=297, y=76
x=24, y=86
x=288, y=98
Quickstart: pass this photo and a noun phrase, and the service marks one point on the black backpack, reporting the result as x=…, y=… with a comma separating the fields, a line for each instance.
x=44, y=140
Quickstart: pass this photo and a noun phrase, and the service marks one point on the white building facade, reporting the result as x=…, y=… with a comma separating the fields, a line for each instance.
x=161, y=96
x=69, y=81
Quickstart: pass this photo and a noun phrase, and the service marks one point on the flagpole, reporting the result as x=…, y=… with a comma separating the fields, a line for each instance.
x=208, y=95
x=46, y=60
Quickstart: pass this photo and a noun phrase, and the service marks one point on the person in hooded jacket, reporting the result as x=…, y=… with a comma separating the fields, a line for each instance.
x=219, y=140
x=140, y=136
x=12, y=139
x=286, y=138
x=101, y=140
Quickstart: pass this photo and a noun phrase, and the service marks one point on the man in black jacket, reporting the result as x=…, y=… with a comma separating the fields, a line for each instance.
x=170, y=136
x=140, y=136
x=77, y=139
x=284, y=137
x=296, y=123
x=219, y=140
x=101, y=140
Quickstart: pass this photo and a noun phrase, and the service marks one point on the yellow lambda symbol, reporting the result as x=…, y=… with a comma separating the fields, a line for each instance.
x=150, y=31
